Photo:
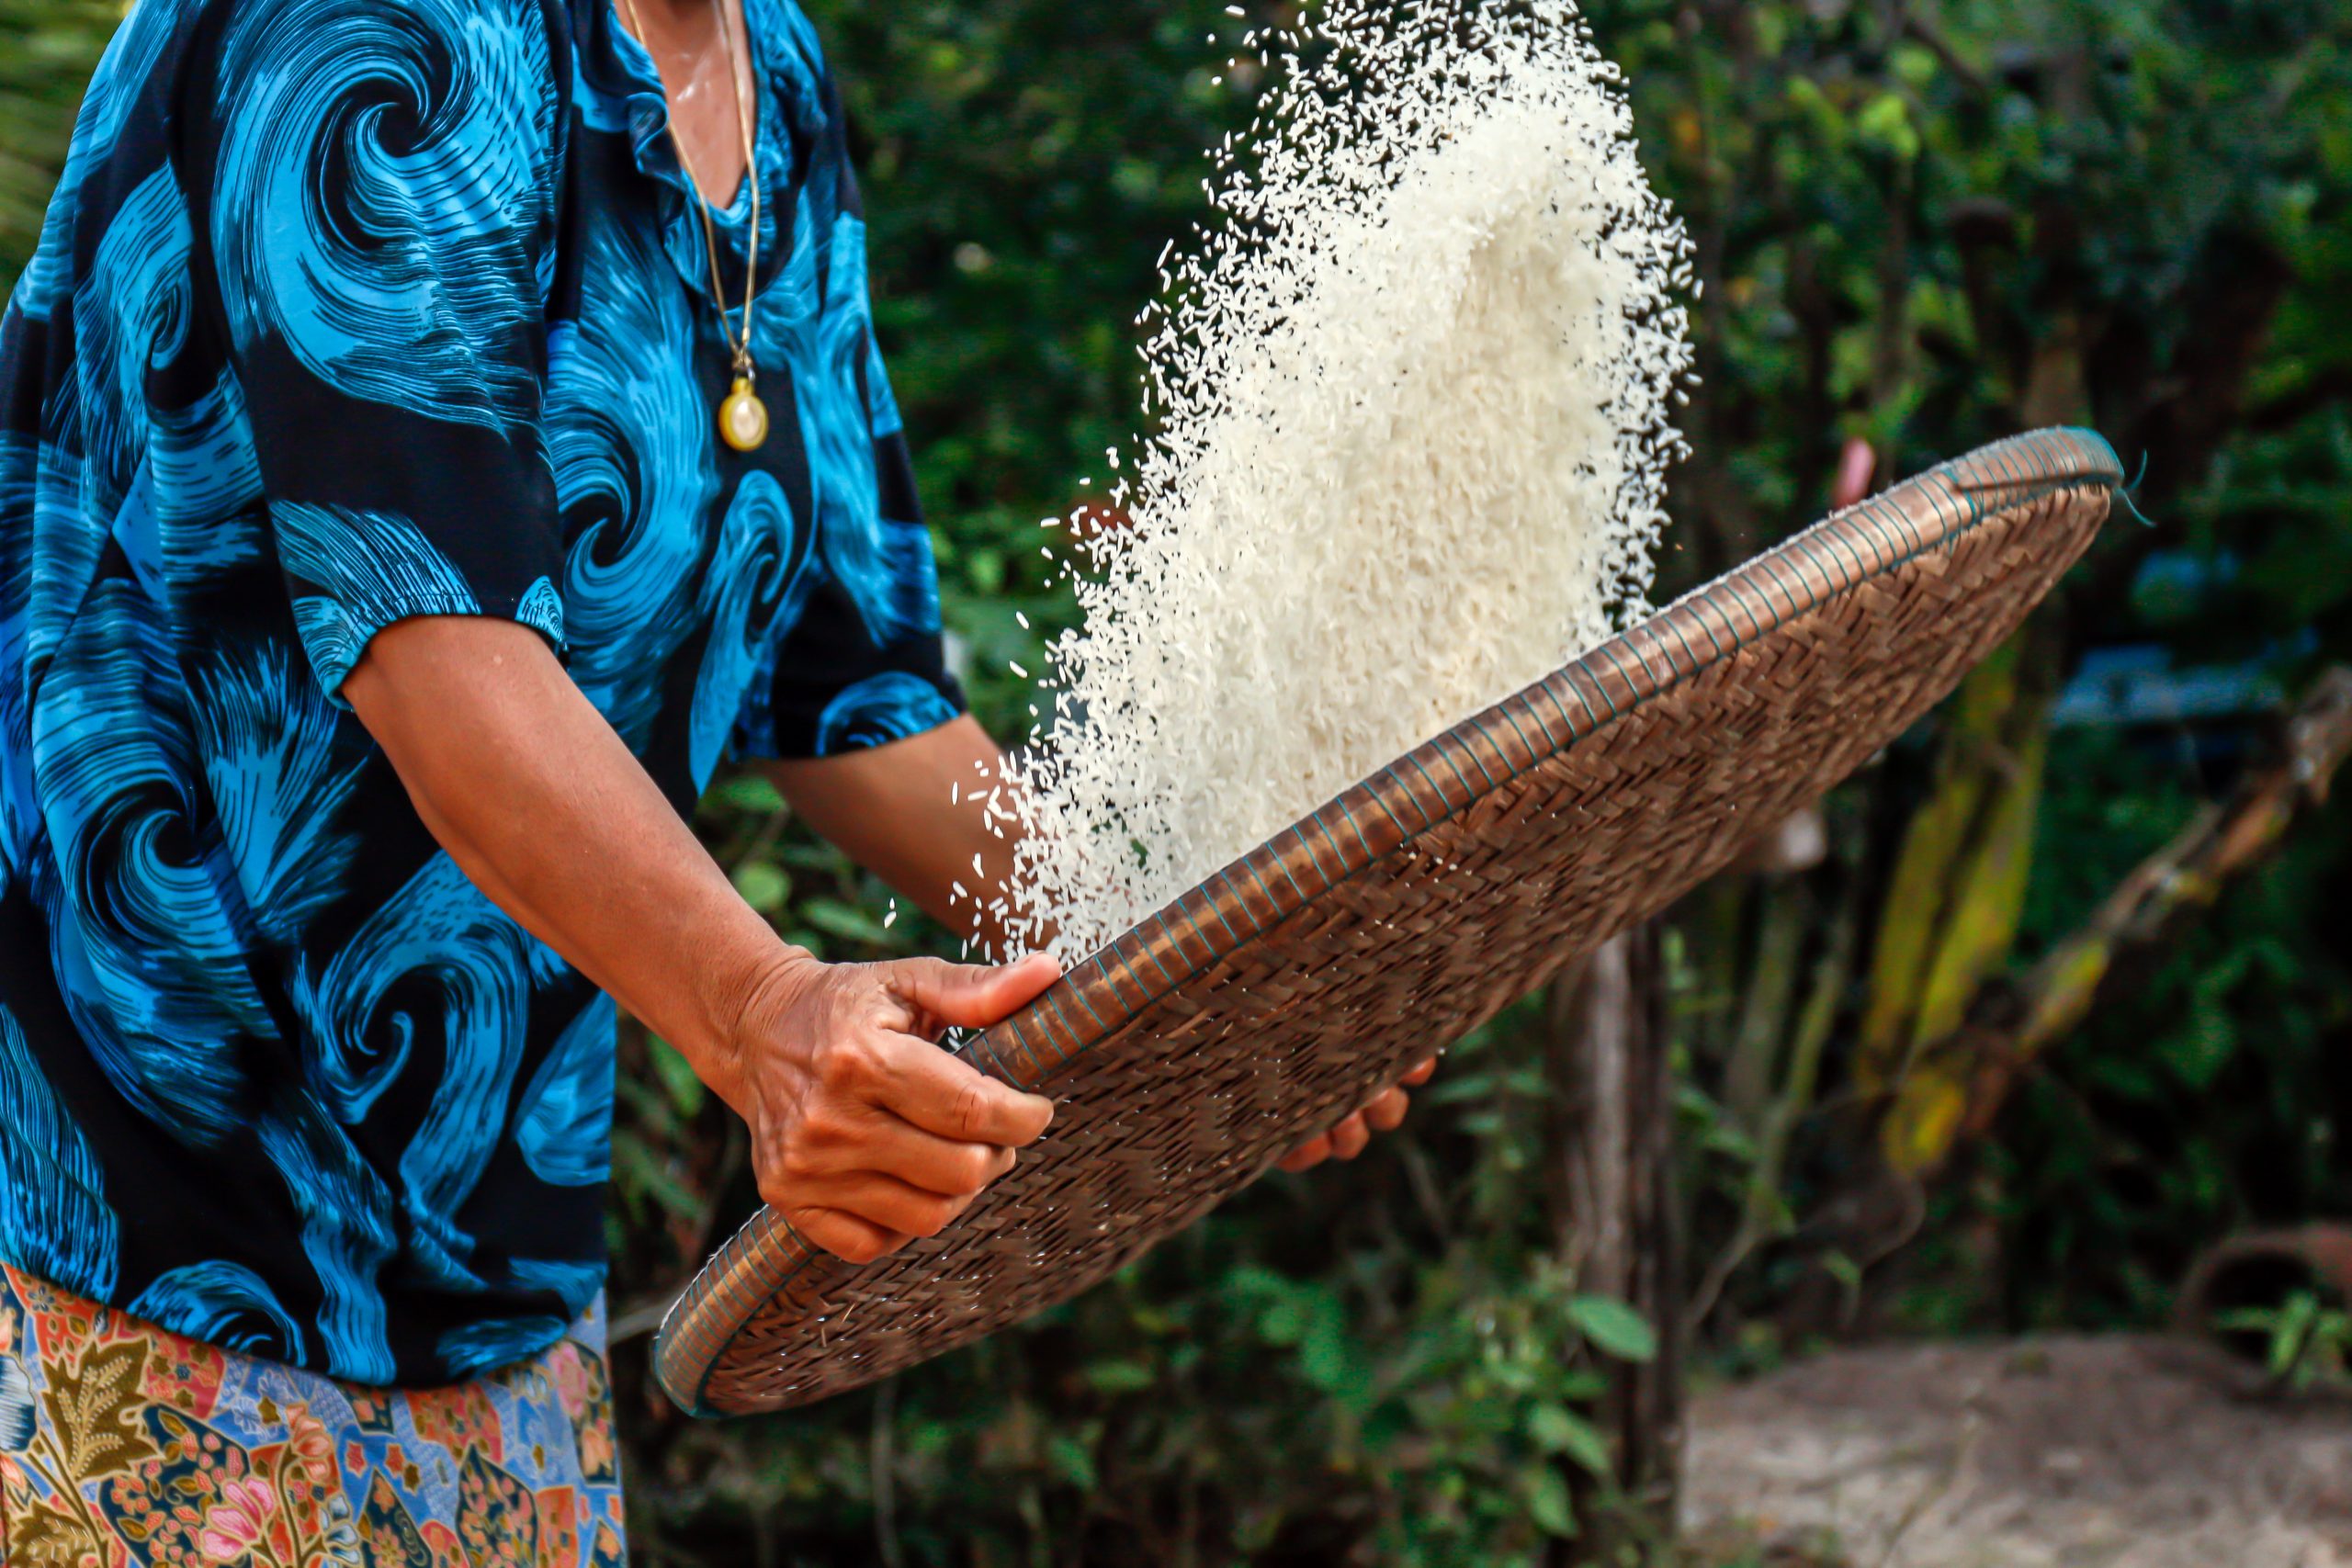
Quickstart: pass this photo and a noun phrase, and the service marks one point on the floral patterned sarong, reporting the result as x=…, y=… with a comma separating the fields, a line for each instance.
x=123, y=1444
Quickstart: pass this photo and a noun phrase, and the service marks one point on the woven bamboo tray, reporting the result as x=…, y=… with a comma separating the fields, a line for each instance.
x=1282, y=992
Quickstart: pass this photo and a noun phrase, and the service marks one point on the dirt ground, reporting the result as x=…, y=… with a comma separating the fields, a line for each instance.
x=2043, y=1453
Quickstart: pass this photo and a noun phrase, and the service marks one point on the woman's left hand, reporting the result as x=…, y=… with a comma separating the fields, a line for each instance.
x=1347, y=1140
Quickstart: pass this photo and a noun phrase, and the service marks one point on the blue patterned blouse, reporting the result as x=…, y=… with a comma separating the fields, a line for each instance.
x=348, y=311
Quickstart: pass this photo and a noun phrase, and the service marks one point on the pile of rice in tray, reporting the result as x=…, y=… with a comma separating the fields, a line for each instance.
x=1410, y=395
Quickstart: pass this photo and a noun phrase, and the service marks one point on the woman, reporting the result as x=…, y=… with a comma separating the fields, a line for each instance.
x=411, y=488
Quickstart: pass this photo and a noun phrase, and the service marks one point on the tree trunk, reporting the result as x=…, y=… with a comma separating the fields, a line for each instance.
x=1618, y=1223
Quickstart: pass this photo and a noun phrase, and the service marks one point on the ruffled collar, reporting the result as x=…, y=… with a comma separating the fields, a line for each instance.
x=790, y=116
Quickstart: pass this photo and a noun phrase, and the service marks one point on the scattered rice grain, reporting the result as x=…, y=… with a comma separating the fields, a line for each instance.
x=1409, y=409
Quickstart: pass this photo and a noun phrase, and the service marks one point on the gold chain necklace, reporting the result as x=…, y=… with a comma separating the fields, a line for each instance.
x=742, y=418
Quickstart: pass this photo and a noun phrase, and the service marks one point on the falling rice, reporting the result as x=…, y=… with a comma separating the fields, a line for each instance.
x=1409, y=396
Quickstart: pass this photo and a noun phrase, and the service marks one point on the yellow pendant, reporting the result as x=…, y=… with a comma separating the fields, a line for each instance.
x=742, y=418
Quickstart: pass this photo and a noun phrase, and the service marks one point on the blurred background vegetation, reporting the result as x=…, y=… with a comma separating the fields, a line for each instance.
x=1920, y=224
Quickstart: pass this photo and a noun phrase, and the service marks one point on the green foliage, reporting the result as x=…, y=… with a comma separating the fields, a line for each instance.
x=2210, y=1098
x=1928, y=225
x=2305, y=1340
x=46, y=50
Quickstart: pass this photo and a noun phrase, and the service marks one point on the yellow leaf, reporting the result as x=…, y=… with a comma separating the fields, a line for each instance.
x=1982, y=926
x=1919, y=1127
x=2073, y=986
x=1932, y=846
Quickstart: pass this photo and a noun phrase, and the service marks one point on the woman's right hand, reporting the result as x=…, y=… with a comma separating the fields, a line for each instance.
x=865, y=1134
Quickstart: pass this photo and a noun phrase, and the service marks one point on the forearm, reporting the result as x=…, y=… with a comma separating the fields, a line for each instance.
x=915, y=812
x=546, y=811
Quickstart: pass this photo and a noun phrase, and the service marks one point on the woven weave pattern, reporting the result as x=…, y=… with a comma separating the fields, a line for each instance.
x=1280, y=994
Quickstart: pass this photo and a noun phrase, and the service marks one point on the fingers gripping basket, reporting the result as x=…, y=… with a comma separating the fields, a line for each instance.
x=1277, y=996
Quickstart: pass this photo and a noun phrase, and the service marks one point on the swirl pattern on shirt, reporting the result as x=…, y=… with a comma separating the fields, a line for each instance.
x=349, y=311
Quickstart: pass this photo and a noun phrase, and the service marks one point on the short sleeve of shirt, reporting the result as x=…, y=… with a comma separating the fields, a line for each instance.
x=864, y=663
x=376, y=186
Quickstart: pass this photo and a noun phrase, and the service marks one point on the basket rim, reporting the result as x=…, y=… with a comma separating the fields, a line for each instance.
x=1030, y=1047
x=1108, y=1005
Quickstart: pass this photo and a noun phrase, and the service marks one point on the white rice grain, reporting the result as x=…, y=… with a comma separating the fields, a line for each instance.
x=1409, y=396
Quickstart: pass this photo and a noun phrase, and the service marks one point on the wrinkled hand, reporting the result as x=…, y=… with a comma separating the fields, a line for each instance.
x=865, y=1134
x=1347, y=1140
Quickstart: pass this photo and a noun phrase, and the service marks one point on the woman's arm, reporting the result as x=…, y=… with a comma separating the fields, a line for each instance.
x=911, y=813
x=864, y=1132
x=908, y=812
